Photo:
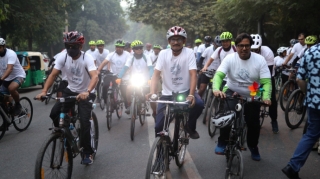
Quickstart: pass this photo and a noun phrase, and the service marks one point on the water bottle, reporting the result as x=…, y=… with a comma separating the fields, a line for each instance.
x=61, y=121
x=94, y=106
x=73, y=131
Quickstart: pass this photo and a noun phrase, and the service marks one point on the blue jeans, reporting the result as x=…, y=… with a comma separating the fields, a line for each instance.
x=194, y=113
x=308, y=140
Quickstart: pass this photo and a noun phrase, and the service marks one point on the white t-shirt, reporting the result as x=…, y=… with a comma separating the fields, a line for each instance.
x=100, y=57
x=201, y=48
x=139, y=66
x=206, y=55
x=63, y=54
x=215, y=56
x=296, y=49
x=301, y=53
x=117, y=62
x=154, y=57
x=75, y=70
x=92, y=53
x=195, y=50
x=278, y=61
x=11, y=58
x=242, y=73
x=267, y=53
x=175, y=70
x=146, y=52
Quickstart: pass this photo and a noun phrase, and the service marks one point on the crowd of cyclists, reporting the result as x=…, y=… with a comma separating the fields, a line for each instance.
x=237, y=63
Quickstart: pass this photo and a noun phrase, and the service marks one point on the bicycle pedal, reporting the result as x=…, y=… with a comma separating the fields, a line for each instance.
x=243, y=149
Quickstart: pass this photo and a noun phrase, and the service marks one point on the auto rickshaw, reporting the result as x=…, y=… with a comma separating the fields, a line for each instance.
x=33, y=65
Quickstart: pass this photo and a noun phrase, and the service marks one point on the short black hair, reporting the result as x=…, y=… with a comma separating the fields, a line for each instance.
x=242, y=36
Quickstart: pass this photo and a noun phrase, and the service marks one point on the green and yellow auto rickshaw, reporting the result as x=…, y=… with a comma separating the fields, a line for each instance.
x=33, y=65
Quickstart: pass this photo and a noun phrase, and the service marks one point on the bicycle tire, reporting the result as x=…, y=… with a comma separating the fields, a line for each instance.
x=291, y=106
x=285, y=93
x=278, y=83
x=208, y=102
x=102, y=102
x=119, y=104
x=157, y=160
x=262, y=115
x=243, y=137
x=67, y=159
x=108, y=112
x=235, y=154
x=95, y=136
x=142, y=109
x=179, y=141
x=133, y=111
x=27, y=113
x=211, y=127
x=3, y=126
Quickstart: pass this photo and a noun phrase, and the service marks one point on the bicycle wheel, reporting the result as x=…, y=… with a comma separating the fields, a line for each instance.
x=158, y=160
x=54, y=159
x=295, y=111
x=119, y=104
x=285, y=92
x=212, y=112
x=278, y=83
x=102, y=102
x=180, y=141
x=209, y=98
x=133, y=112
x=262, y=115
x=142, y=113
x=243, y=137
x=24, y=119
x=94, y=132
x=108, y=112
x=235, y=165
x=3, y=126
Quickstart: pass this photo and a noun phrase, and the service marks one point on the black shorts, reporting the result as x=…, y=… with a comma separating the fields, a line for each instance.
x=204, y=79
x=63, y=85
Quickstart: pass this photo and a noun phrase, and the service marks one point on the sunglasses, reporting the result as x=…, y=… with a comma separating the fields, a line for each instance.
x=71, y=46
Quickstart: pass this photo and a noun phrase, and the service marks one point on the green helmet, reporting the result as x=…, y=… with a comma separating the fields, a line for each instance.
x=198, y=41
x=92, y=42
x=226, y=36
x=120, y=43
x=310, y=40
x=136, y=43
x=157, y=46
x=100, y=42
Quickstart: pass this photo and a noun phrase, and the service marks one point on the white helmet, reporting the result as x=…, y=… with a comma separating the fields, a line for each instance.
x=176, y=30
x=257, y=41
x=281, y=50
x=222, y=120
x=2, y=41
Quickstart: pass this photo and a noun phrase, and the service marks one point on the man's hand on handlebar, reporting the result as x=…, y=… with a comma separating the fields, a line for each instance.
x=218, y=93
x=38, y=97
x=83, y=96
x=267, y=102
x=192, y=100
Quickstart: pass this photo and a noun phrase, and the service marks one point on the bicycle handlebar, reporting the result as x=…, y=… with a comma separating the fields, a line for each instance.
x=61, y=99
x=170, y=102
x=246, y=99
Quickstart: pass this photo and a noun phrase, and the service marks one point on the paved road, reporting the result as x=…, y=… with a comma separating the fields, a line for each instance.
x=119, y=157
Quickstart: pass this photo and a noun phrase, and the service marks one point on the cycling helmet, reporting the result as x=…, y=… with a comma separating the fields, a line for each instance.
x=281, y=50
x=197, y=41
x=73, y=37
x=233, y=43
x=208, y=39
x=257, y=41
x=217, y=40
x=310, y=40
x=100, y=42
x=226, y=36
x=157, y=46
x=92, y=42
x=225, y=119
x=120, y=43
x=2, y=41
x=136, y=43
x=176, y=30
x=293, y=41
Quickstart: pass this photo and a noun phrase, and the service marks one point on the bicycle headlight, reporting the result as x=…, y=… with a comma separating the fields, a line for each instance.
x=137, y=80
x=180, y=98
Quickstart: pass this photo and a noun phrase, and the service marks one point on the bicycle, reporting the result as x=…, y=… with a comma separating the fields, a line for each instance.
x=278, y=81
x=53, y=89
x=164, y=149
x=287, y=88
x=212, y=112
x=103, y=73
x=295, y=110
x=55, y=157
x=208, y=95
x=7, y=117
x=138, y=106
x=113, y=102
x=263, y=113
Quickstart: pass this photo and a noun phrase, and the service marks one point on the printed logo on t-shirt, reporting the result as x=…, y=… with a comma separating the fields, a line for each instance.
x=243, y=74
x=175, y=69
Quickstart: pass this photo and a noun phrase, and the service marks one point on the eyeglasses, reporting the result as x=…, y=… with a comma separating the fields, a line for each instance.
x=137, y=48
x=247, y=46
x=71, y=46
x=175, y=40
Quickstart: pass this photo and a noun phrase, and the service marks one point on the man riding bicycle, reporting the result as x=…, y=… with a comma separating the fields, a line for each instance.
x=82, y=78
x=178, y=69
x=12, y=74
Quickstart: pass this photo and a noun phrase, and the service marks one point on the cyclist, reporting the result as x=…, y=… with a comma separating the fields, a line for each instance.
x=292, y=42
x=148, y=50
x=12, y=74
x=217, y=42
x=195, y=48
x=309, y=41
x=82, y=78
x=243, y=68
x=202, y=47
x=309, y=69
x=64, y=82
x=221, y=52
x=267, y=53
x=296, y=49
x=127, y=47
x=177, y=67
x=154, y=59
x=92, y=51
x=117, y=60
x=140, y=64
x=278, y=61
x=100, y=55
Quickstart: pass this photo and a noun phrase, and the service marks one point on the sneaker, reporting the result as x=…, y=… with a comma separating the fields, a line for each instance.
x=127, y=111
x=17, y=109
x=87, y=160
x=255, y=153
x=290, y=173
x=193, y=134
x=274, y=125
x=220, y=148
